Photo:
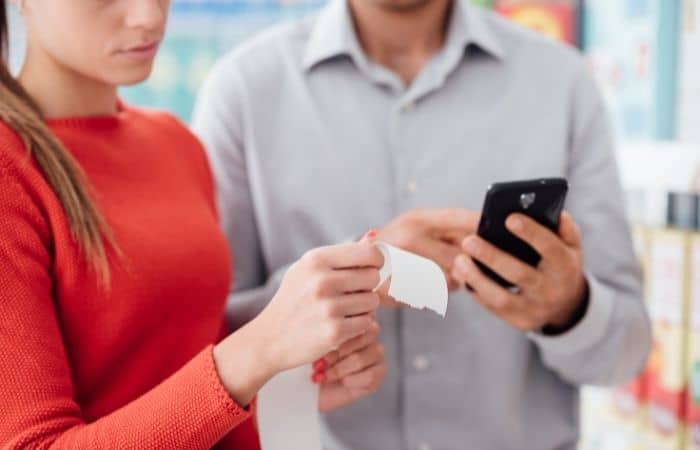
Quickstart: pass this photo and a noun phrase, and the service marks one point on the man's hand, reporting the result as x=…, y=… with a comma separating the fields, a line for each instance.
x=435, y=234
x=549, y=295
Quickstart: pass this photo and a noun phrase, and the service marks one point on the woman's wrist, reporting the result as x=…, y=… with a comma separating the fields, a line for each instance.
x=244, y=364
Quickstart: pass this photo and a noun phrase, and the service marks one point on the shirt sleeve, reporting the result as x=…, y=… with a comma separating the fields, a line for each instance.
x=219, y=122
x=190, y=409
x=612, y=341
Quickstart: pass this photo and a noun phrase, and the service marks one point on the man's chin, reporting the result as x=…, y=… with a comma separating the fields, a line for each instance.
x=402, y=6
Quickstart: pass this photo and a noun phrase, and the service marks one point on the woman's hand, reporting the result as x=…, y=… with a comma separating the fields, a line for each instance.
x=324, y=301
x=352, y=372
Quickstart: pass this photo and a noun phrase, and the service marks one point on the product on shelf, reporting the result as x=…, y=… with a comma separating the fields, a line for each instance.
x=689, y=77
x=483, y=3
x=693, y=371
x=629, y=402
x=556, y=19
x=598, y=428
x=669, y=281
x=633, y=48
x=639, y=214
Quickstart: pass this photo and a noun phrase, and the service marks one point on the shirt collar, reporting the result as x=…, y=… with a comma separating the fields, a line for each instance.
x=333, y=34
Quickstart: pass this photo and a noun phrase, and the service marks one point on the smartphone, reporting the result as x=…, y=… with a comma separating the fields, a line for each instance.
x=542, y=200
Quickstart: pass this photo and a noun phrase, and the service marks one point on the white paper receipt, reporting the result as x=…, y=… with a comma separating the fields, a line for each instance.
x=287, y=408
x=415, y=281
x=287, y=412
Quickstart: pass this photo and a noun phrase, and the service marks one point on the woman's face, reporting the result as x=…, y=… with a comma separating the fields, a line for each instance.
x=111, y=41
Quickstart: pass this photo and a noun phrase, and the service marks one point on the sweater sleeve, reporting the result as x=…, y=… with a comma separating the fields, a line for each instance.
x=190, y=409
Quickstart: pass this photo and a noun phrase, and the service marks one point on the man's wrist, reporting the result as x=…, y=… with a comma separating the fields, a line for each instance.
x=572, y=318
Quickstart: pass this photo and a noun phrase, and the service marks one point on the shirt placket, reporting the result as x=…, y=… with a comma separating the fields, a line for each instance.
x=415, y=363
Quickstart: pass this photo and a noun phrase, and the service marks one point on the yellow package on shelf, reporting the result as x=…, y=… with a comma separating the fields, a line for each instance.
x=693, y=400
x=670, y=270
x=629, y=402
x=690, y=206
x=668, y=286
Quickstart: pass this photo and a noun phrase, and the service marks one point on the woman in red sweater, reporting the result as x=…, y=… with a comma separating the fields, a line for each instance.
x=114, y=274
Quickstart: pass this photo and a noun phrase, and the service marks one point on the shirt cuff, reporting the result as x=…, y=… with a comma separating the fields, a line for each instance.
x=590, y=330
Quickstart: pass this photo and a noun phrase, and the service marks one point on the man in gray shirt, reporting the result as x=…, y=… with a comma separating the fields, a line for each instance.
x=397, y=114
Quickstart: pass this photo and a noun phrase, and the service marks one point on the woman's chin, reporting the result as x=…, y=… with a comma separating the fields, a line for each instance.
x=132, y=75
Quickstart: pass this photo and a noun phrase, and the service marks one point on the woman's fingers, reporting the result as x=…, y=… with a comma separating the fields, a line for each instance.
x=366, y=381
x=345, y=256
x=353, y=345
x=355, y=362
x=354, y=304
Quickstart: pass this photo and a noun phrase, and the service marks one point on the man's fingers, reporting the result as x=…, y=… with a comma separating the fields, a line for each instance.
x=451, y=220
x=442, y=253
x=569, y=231
x=548, y=244
x=452, y=284
x=516, y=310
x=504, y=264
x=490, y=294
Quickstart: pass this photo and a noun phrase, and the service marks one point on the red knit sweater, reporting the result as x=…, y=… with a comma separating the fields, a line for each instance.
x=81, y=367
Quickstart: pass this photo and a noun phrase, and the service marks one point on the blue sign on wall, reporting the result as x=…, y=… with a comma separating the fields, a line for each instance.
x=200, y=32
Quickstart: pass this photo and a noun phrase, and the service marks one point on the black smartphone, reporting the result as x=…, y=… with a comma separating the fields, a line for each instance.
x=542, y=200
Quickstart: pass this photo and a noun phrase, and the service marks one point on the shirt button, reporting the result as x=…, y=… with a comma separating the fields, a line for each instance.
x=408, y=107
x=424, y=446
x=412, y=187
x=421, y=364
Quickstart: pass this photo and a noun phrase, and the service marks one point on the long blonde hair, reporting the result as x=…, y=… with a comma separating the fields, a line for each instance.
x=64, y=175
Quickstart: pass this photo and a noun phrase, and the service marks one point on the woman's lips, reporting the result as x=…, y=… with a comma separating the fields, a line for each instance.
x=142, y=52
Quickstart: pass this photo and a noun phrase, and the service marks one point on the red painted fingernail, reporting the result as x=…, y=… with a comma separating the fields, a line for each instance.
x=320, y=365
x=319, y=377
x=371, y=234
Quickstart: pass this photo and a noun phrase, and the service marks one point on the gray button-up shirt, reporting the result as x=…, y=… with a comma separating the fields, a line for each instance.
x=312, y=143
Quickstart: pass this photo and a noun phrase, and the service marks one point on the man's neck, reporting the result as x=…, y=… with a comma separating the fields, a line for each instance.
x=403, y=40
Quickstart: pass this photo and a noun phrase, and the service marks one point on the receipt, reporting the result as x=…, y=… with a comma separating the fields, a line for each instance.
x=287, y=406
x=288, y=415
x=415, y=281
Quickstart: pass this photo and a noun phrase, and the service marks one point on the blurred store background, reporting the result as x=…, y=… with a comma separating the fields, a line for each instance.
x=646, y=57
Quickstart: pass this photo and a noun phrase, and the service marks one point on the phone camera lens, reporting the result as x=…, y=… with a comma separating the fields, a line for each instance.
x=527, y=199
